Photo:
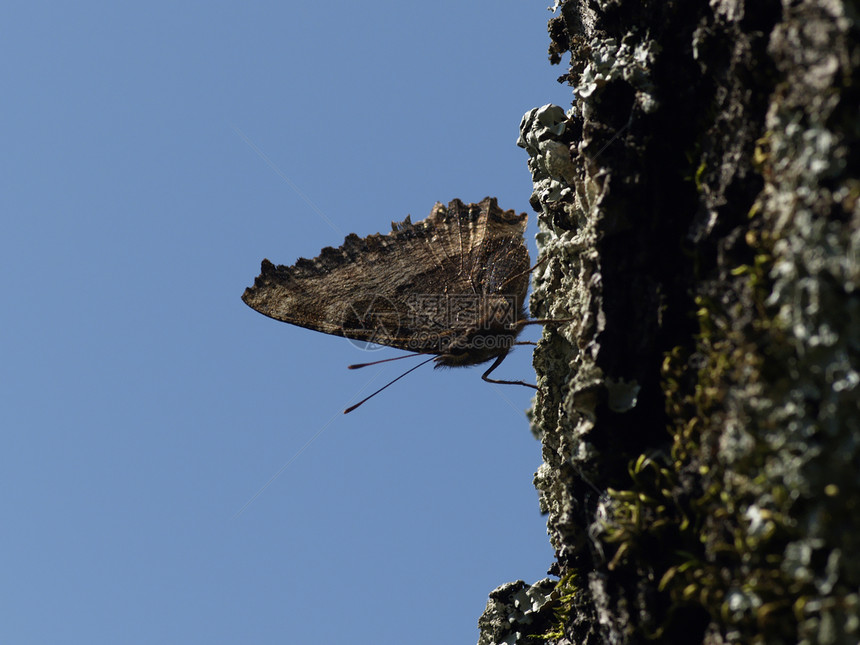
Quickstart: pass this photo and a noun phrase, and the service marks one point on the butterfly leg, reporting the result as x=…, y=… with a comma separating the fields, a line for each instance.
x=495, y=364
x=542, y=321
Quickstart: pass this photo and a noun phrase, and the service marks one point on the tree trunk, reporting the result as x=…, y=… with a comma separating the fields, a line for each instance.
x=699, y=213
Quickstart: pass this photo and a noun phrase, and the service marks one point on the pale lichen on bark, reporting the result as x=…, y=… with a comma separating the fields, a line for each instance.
x=699, y=212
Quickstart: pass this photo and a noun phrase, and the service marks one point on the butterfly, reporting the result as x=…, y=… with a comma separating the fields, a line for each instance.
x=451, y=286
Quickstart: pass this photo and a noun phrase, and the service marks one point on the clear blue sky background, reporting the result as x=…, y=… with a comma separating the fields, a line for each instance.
x=153, y=154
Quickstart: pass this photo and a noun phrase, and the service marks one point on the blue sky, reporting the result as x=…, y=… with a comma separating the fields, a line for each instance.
x=154, y=153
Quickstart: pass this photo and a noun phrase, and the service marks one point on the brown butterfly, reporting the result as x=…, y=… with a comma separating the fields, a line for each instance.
x=452, y=286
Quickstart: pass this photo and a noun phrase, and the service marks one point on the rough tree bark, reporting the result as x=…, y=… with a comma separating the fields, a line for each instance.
x=699, y=209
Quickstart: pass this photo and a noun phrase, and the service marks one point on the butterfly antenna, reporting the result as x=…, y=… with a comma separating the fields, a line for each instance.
x=411, y=369
x=540, y=321
x=384, y=360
